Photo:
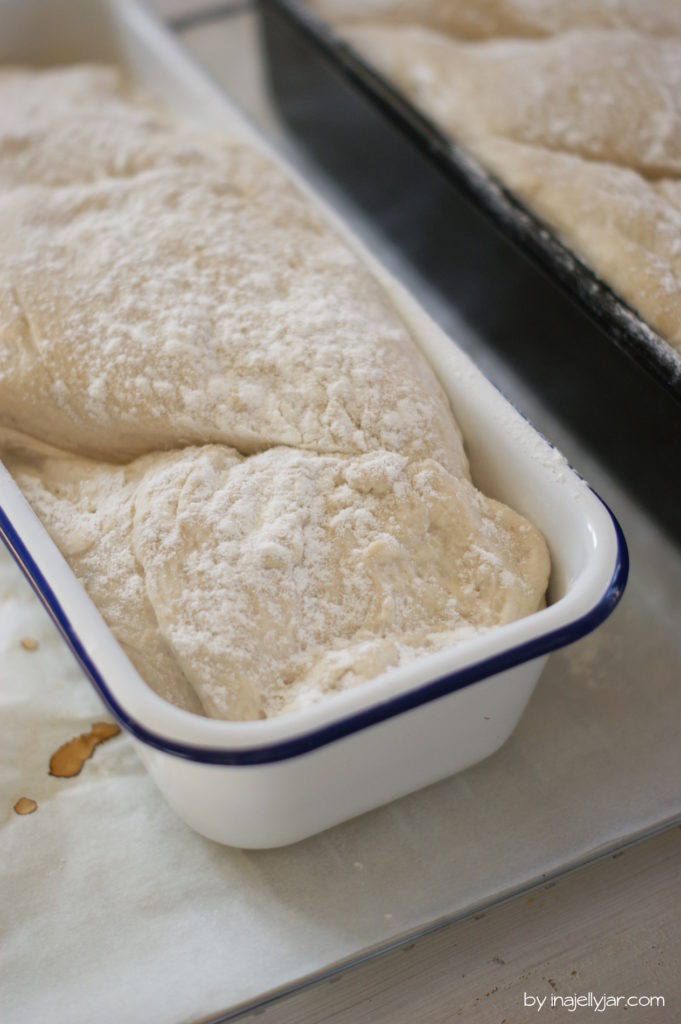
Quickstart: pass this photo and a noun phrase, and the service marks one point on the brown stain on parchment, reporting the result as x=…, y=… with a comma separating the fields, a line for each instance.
x=25, y=805
x=29, y=644
x=70, y=758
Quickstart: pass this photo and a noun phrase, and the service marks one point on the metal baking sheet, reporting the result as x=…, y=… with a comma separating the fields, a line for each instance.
x=143, y=920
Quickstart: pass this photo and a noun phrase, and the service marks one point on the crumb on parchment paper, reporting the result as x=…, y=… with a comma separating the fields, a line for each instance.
x=25, y=805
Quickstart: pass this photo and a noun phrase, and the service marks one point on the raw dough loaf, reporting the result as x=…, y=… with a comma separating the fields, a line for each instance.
x=207, y=303
x=584, y=125
x=258, y=478
x=270, y=581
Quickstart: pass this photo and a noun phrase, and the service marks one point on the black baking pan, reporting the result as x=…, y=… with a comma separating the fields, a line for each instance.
x=620, y=321
x=534, y=301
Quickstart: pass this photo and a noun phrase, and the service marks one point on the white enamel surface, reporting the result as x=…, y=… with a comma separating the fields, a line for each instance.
x=278, y=803
x=303, y=795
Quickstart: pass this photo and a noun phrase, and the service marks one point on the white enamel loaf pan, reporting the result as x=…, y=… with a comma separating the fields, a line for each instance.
x=268, y=783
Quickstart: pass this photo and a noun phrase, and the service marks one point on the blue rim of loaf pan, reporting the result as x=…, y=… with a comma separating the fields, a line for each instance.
x=303, y=743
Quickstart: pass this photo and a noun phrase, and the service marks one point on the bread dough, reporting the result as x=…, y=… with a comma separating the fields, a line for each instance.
x=572, y=92
x=88, y=509
x=257, y=476
x=265, y=583
x=206, y=303
x=584, y=125
x=486, y=19
x=74, y=124
x=627, y=226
